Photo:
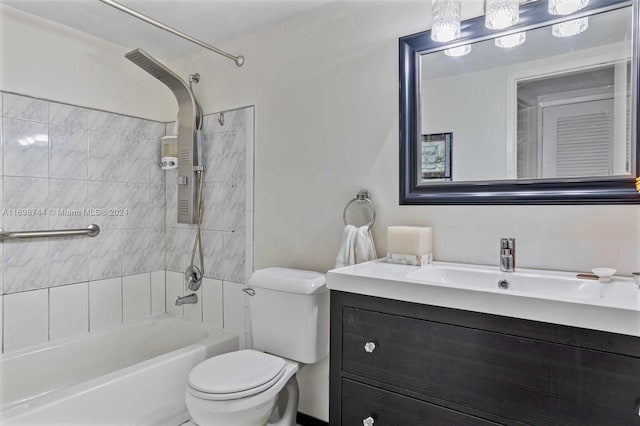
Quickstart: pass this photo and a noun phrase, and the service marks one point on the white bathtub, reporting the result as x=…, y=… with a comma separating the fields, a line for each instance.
x=132, y=375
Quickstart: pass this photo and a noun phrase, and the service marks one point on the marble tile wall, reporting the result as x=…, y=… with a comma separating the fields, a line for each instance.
x=66, y=167
x=227, y=223
x=227, y=227
x=61, y=167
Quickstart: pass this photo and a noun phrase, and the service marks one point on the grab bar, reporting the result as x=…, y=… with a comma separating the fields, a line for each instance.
x=90, y=231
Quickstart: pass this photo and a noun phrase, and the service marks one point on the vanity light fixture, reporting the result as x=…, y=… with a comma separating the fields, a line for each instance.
x=570, y=28
x=445, y=24
x=501, y=14
x=458, y=51
x=511, y=40
x=566, y=7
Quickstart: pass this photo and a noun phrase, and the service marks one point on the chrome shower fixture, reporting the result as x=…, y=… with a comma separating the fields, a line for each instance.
x=193, y=277
x=190, y=164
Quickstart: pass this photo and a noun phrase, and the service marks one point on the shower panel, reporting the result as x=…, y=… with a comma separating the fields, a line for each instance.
x=190, y=165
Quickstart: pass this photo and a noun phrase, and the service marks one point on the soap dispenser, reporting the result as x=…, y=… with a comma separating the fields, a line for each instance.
x=169, y=152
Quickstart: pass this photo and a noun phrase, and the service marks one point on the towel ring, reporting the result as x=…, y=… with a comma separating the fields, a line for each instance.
x=363, y=196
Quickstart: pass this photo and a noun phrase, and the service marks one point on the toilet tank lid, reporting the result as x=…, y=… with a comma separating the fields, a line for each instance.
x=289, y=280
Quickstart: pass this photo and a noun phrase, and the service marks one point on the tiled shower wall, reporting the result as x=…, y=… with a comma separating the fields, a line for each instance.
x=57, y=160
x=227, y=224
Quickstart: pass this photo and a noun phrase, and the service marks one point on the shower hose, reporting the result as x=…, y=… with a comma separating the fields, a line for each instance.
x=197, y=244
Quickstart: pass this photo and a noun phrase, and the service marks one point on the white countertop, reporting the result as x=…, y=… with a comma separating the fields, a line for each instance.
x=615, y=308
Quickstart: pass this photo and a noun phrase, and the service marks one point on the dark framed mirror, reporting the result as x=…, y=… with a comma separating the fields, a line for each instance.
x=542, y=112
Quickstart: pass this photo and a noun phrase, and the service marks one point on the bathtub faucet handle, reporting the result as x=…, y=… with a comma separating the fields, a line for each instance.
x=193, y=277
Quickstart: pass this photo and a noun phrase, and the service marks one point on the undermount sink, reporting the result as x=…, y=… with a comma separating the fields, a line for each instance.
x=548, y=285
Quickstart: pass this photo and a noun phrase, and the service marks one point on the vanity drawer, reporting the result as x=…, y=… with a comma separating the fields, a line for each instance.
x=513, y=377
x=361, y=402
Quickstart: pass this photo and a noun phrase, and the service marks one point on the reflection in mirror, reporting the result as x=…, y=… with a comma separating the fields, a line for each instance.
x=556, y=105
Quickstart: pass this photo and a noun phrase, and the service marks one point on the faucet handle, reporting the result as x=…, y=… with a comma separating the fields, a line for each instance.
x=508, y=243
x=507, y=254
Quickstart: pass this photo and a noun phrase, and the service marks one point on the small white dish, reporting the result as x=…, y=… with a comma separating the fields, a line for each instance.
x=604, y=274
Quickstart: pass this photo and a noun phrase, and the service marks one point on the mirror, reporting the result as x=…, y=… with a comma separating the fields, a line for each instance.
x=541, y=113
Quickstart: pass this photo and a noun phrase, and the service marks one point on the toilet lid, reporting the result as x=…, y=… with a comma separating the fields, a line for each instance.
x=235, y=395
x=236, y=372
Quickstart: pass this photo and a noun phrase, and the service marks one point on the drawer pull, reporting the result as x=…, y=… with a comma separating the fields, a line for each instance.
x=368, y=348
x=369, y=421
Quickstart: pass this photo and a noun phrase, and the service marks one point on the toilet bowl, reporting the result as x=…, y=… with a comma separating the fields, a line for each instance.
x=241, y=389
x=290, y=315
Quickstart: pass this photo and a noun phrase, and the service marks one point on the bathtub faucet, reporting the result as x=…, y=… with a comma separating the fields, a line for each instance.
x=191, y=298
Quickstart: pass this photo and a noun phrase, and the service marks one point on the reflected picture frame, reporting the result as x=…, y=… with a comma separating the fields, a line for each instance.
x=434, y=158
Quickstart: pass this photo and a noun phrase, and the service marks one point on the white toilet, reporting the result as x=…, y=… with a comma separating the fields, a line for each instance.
x=290, y=325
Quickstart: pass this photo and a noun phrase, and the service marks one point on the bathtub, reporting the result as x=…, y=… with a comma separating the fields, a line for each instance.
x=132, y=375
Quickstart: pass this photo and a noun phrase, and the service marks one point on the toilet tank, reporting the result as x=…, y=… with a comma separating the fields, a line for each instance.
x=290, y=313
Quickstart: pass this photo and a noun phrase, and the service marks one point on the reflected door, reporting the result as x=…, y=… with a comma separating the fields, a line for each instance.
x=577, y=139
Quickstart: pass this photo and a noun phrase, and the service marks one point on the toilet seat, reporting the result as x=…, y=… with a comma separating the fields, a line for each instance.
x=252, y=410
x=234, y=395
x=235, y=375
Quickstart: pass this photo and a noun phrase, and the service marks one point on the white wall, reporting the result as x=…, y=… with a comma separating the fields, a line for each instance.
x=325, y=87
x=47, y=60
x=465, y=104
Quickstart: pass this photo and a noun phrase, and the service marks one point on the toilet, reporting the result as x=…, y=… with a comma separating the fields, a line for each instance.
x=289, y=311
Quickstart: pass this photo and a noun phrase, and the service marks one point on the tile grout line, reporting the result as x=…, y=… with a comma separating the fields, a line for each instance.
x=48, y=315
x=83, y=107
x=88, y=308
x=121, y=301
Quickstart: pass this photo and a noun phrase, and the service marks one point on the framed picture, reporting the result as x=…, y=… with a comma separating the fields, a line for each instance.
x=434, y=158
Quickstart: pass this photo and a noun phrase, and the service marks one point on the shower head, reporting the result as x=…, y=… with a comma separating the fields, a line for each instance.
x=148, y=63
x=157, y=69
x=178, y=86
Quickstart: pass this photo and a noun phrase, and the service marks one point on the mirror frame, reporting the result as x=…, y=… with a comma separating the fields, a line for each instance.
x=588, y=190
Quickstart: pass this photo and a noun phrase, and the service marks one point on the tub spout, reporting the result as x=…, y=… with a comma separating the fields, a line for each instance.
x=191, y=298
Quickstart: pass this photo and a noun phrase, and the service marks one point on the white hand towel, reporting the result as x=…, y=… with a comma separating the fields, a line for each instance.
x=365, y=248
x=346, y=254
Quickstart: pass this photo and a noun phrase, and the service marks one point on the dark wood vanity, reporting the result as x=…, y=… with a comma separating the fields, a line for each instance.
x=401, y=363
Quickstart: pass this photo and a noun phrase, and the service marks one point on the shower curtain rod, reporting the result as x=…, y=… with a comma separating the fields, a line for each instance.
x=239, y=60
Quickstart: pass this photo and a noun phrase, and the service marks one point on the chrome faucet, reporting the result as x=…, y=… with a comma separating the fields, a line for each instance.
x=191, y=298
x=507, y=254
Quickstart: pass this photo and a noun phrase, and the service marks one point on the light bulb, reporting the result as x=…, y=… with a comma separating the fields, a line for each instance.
x=501, y=13
x=446, y=20
x=458, y=51
x=570, y=28
x=566, y=7
x=511, y=40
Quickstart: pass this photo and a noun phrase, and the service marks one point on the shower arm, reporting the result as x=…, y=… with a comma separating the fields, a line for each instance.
x=239, y=60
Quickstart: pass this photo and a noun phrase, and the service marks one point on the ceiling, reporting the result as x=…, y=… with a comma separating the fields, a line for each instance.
x=211, y=21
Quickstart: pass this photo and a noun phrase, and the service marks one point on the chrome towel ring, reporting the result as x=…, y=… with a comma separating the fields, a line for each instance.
x=363, y=196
